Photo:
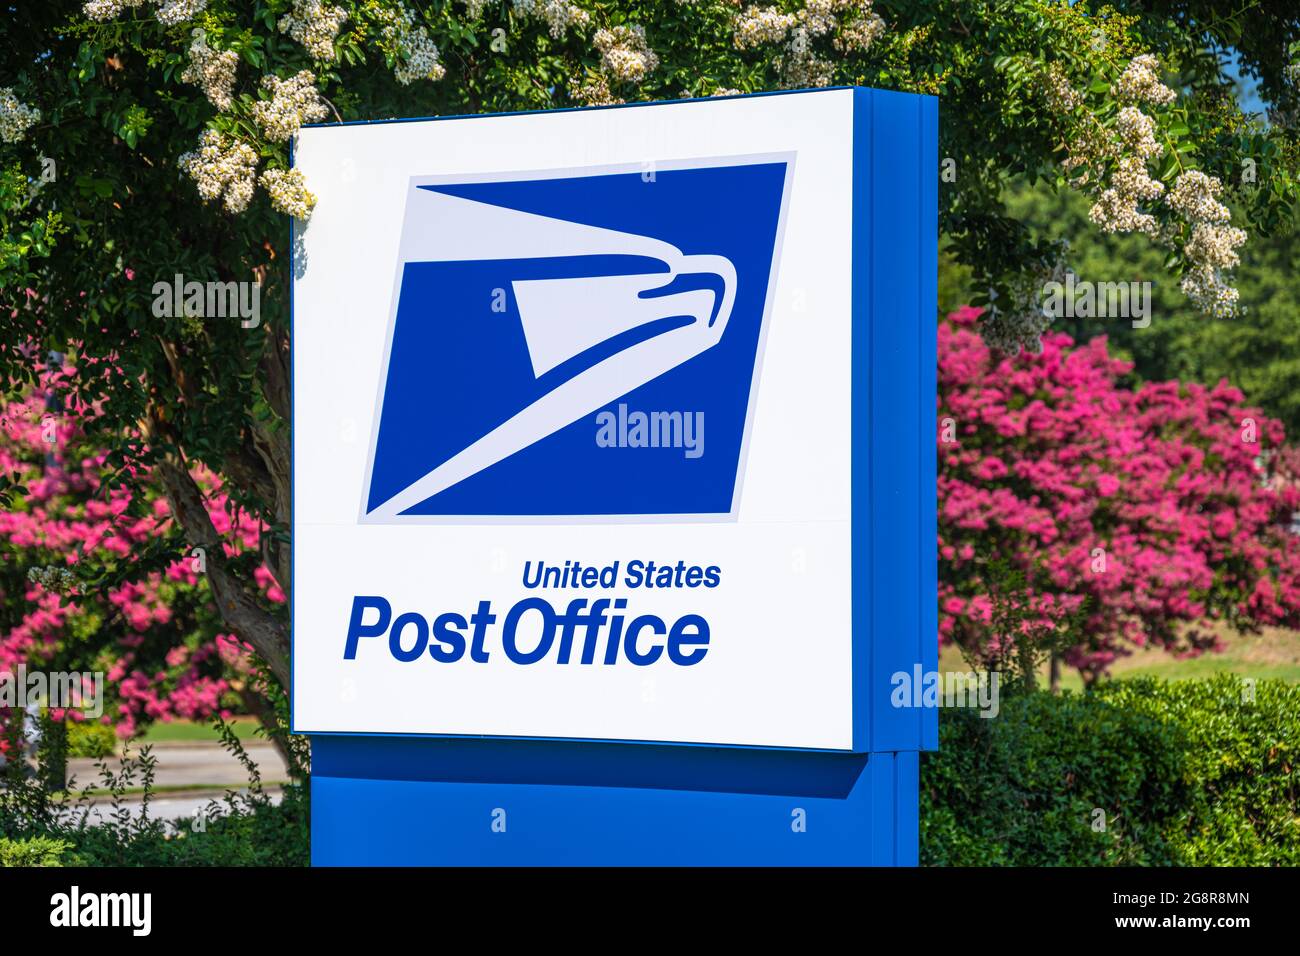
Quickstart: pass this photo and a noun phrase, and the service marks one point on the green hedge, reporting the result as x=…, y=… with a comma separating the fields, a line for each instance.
x=34, y=851
x=87, y=739
x=1136, y=772
x=242, y=833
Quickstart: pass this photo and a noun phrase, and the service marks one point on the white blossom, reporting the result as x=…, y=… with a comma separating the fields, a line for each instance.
x=560, y=15
x=1140, y=83
x=222, y=167
x=853, y=23
x=1195, y=197
x=1209, y=292
x=212, y=70
x=1061, y=96
x=800, y=67
x=1020, y=321
x=288, y=191
x=58, y=580
x=758, y=26
x=169, y=12
x=417, y=56
x=1137, y=130
x=16, y=118
x=624, y=53
x=314, y=25
x=593, y=92
x=858, y=35
x=107, y=9
x=1214, y=245
x=1116, y=211
x=293, y=102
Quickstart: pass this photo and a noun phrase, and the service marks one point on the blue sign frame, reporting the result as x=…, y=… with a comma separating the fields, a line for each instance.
x=409, y=800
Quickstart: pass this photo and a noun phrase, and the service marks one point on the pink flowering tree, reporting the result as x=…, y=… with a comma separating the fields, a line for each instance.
x=98, y=578
x=1150, y=512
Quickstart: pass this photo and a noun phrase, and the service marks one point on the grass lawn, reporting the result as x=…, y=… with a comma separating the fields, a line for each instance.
x=188, y=730
x=1272, y=653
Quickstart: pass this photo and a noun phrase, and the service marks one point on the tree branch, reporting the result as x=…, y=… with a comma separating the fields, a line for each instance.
x=238, y=608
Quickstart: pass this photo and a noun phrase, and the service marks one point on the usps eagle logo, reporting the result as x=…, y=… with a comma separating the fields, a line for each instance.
x=576, y=343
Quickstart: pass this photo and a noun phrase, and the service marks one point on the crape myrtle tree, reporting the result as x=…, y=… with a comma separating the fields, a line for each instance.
x=1154, y=516
x=152, y=633
x=145, y=139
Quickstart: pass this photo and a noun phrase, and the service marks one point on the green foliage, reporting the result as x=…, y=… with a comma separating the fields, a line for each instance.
x=90, y=739
x=1185, y=773
x=34, y=851
x=1239, y=761
x=234, y=833
x=40, y=828
x=1259, y=352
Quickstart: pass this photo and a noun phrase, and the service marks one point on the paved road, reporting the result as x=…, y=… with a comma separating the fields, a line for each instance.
x=206, y=770
x=169, y=808
x=193, y=765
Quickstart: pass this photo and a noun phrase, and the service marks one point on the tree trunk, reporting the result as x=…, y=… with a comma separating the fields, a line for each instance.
x=239, y=609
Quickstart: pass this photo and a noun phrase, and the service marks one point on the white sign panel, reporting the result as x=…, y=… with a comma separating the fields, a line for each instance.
x=572, y=425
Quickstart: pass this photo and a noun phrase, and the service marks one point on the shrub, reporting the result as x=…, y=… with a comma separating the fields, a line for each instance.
x=1139, y=772
x=1158, y=512
x=36, y=851
x=39, y=827
x=87, y=739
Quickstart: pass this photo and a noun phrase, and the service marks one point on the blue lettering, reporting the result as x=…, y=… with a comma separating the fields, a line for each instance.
x=698, y=638
x=421, y=637
x=358, y=630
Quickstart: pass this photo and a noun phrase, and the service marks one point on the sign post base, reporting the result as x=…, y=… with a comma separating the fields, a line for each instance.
x=385, y=801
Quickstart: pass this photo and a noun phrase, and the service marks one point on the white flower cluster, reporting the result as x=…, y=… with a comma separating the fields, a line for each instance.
x=169, y=13
x=1061, y=96
x=1195, y=197
x=417, y=56
x=857, y=24
x=54, y=579
x=314, y=25
x=624, y=53
x=1116, y=209
x=222, y=166
x=858, y=35
x=1211, y=244
x=474, y=8
x=594, y=92
x=759, y=26
x=559, y=15
x=800, y=66
x=213, y=70
x=1021, y=322
x=16, y=118
x=172, y=12
x=293, y=102
x=1212, y=247
x=288, y=191
x=1138, y=132
x=107, y=9
x=1140, y=83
